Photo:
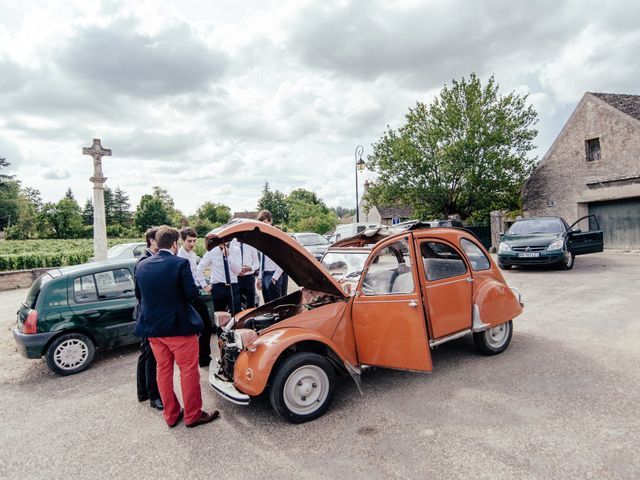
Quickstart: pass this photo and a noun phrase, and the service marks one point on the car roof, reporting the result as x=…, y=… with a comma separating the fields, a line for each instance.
x=90, y=267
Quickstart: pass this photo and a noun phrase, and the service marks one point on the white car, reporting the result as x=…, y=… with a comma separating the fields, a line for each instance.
x=124, y=250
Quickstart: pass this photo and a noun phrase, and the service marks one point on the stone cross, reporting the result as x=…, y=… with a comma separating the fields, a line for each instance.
x=99, y=219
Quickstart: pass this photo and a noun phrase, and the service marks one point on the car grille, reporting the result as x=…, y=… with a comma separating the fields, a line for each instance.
x=528, y=249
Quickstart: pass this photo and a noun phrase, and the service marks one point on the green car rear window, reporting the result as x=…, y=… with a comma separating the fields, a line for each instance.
x=34, y=291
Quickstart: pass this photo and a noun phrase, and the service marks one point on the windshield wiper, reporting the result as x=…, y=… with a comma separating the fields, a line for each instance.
x=354, y=274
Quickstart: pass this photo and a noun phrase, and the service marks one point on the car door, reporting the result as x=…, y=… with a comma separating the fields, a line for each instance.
x=103, y=302
x=449, y=286
x=591, y=241
x=387, y=314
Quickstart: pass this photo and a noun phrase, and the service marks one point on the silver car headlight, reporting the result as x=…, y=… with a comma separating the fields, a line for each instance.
x=504, y=247
x=556, y=244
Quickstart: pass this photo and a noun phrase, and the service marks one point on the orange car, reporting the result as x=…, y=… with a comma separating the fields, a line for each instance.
x=420, y=287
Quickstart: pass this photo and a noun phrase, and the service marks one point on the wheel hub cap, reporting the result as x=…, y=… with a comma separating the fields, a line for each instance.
x=70, y=354
x=306, y=389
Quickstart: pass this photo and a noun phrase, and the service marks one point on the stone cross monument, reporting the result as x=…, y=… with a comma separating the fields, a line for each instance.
x=99, y=222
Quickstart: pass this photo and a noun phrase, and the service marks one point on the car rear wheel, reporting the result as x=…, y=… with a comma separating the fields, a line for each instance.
x=303, y=387
x=567, y=261
x=70, y=353
x=494, y=340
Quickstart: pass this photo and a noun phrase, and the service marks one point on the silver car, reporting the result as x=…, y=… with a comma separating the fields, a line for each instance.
x=123, y=251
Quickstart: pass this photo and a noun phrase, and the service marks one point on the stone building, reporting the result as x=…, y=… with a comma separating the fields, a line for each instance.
x=384, y=215
x=593, y=167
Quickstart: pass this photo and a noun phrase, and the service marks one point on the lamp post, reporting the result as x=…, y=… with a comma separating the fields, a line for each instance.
x=359, y=166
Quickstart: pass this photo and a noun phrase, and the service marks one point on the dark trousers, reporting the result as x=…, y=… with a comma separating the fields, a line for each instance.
x=270, y=291
x=247, y=290
x=226, y=297
x=204, y=341
x=146, y=373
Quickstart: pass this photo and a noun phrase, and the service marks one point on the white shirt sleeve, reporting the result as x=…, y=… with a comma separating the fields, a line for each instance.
x=277, y=272
x=235, y=259
x=204, y=263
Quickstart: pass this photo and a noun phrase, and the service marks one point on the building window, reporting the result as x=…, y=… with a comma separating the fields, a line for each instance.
x=593, y=149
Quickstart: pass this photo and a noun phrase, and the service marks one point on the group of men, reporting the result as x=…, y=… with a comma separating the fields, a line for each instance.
x=173, y=319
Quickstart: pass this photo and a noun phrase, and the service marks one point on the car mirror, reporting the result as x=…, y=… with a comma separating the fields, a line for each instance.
x=576, y=230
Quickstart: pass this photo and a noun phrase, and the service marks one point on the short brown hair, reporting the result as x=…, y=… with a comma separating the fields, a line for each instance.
x=187, y=232
x=166, y=236
x=264, y=215
x=150, y=234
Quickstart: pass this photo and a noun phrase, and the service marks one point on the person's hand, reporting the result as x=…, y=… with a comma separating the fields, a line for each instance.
x=259, y=284
x=245, y=269
x=207, y=288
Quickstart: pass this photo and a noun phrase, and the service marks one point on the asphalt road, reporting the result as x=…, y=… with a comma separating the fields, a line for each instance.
x=561, y=402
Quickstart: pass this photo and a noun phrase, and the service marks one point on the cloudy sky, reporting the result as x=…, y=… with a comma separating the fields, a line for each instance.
x=210, y=99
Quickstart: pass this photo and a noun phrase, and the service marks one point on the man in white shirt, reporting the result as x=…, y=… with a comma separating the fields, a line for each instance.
x=270, y=278
x=189, y=238
x=246, y=280
x=225, y=263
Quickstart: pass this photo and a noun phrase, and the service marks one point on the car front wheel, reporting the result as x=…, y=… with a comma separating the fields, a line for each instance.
x=494, y=340
x=303, y=387
x=567, y=261
x=70, y=353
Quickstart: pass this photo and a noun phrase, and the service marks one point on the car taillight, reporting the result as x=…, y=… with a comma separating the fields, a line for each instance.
x=31, y=323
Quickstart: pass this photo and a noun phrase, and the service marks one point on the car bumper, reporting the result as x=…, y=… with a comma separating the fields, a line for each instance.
x=31, y=345
x=545, y=258
x=225, y=388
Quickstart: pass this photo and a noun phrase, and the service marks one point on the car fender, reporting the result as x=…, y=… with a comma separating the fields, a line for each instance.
x=253, y=366
x=496, y=303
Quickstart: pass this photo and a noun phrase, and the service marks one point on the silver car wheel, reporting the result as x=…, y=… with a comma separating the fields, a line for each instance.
x=306, y=389
x=71, y=354
x=497, y=336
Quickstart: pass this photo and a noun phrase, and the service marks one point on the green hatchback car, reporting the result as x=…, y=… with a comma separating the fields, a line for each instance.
x=72, y=311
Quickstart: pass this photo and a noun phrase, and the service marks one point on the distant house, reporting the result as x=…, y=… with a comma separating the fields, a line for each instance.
x=247, y=215
x=593, y=167
x=384, y=215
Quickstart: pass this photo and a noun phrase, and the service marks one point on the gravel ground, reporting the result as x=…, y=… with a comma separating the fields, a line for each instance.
x=561, y=402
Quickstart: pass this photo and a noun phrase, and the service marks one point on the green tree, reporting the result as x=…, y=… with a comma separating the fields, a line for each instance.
x=121, y=208
x=216, y=213
x=33, y=195
x=175, y=215
x=465, y=153
x=151, y=212
x=60, y=220
x=9, y=202
x=276, y=203
x=307, y=212
x=69, y=194
x=87, y=213
x=341, y=211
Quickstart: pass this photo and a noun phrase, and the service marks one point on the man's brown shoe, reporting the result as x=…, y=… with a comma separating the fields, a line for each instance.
x=178, y=420
x=205, y=418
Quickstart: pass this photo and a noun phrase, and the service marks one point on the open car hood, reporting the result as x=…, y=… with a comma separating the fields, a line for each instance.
x=292, y=257
x=369, y=236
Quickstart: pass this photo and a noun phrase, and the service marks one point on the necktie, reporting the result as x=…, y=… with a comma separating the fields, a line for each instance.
x=227, y=275
x=262, y=254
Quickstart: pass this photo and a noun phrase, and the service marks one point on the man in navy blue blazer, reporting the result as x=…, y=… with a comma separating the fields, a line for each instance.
x=165, y=289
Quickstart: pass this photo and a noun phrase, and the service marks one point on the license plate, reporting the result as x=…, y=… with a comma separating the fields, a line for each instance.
x=529, y=254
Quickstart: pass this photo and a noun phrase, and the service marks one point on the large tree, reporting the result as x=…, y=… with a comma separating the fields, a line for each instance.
x=307, y=212
x=216, y=213
x=466, y=153
x=151, y=212
x=276, y=203
x=121, y=208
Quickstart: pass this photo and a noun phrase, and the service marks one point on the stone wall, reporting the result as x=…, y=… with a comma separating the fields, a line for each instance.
x=564, y=182
x=19, y=279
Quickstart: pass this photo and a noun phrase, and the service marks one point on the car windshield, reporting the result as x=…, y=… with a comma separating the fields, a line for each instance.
x=344, y=264
x=310, y=239
x=537, y=226
x=117, y=250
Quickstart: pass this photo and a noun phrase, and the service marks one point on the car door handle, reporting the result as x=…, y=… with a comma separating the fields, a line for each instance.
x=92, y=314
x=413, y=304
x=470, y=279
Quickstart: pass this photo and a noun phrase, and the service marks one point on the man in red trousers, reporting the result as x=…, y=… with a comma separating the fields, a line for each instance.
x=165, y=289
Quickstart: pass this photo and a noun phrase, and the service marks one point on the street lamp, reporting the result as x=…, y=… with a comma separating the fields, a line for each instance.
x=359, y=166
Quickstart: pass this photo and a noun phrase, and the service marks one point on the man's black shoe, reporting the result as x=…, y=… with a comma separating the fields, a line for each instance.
x=157, y=404
x=205, y=418
x=143, y=399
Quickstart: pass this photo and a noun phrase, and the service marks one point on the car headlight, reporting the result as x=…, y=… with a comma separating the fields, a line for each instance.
x=504, y=247
x=243, y=337
x=556, y=244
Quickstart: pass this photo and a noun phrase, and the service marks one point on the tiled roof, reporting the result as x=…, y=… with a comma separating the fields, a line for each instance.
x=390, y=212
x=629, y=104
x=249, y=215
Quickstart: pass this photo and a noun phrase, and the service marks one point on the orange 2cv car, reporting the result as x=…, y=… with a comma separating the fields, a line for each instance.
x=420, y=287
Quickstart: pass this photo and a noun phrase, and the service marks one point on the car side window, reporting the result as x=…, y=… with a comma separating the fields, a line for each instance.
x=84, y=289
x=441, y=261
x=114, y=284
x=478, y=259
x=138, y=251
x=390, y=271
